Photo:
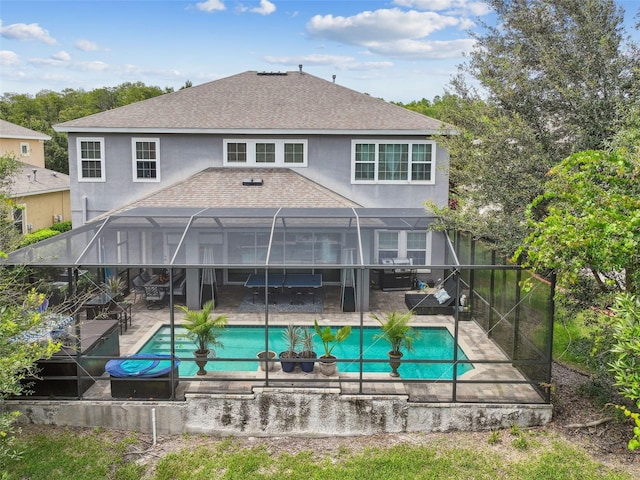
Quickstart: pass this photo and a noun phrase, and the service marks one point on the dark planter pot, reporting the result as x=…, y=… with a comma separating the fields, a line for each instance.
x=307, y=367
x=201, y=362
x=394, y=361
x=288, y=366
x=327, y=365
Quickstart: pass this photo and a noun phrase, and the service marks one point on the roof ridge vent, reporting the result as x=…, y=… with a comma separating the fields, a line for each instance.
x=273, y=74
x=252, y=182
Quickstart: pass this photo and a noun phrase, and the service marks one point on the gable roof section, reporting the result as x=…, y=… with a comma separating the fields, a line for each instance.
x=287, y=102
x=45, y=181
x=223, y=188
x=11, y=130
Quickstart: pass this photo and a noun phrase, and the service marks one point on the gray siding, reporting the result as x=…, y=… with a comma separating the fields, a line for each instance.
x=183, y=155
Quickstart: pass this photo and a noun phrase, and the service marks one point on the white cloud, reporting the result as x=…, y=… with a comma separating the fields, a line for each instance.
x=395, y=33
x=86, y=45
x=8, y=57
x=265, y=8
x=211, y=6
x=340, y=62
x=462, y=6
x=422, y=50
x=24, y=32
x=426, y=4
x=94, y=66
x=48, y=62
x=314, y=59
x=62, y=56
x=378, y=26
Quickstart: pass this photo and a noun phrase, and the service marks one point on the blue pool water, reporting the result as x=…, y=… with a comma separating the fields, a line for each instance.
x=435, y=343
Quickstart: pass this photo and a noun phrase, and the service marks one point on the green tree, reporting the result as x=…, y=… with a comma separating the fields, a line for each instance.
x=47, y=108
x=588, y=219
x=626, y=366
x=18, y=314
x=553, y=77
x=9, y=236
x=562, y=65
x=496, y=168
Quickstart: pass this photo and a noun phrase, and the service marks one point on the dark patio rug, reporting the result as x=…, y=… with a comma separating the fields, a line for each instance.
x=284, y=302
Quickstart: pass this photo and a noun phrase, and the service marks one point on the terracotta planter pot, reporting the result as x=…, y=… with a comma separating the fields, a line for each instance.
x=202, y=361
x=394, y=361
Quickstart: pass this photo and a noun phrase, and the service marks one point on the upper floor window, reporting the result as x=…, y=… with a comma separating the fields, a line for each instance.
x=90, y=159
x=271, y=153
x=397, y=161
x=24, y=150
x=146, y=159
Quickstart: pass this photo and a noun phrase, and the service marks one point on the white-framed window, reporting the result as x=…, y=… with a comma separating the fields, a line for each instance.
x=265, y=152
x=393, y=161
x=90, y=159
x=413, y=244
x=25, y=151
x=146, y=159
x=19, y=218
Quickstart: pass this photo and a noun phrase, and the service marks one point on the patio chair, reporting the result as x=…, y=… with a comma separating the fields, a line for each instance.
x=138, y=287
x=155, y=297
x=179, y=287
x=144, y=275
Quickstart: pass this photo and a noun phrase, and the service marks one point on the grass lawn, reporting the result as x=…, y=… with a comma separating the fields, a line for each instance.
x=56, y=453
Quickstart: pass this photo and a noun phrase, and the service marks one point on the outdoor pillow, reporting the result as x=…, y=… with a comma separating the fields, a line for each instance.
x=442, y=296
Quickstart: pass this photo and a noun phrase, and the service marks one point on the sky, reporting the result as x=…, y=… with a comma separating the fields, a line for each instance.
x=398, y=50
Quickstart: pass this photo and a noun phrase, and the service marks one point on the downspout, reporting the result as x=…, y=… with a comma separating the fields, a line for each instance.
x=85, y=203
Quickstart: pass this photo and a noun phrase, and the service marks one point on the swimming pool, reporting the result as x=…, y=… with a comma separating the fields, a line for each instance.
x=435, y=343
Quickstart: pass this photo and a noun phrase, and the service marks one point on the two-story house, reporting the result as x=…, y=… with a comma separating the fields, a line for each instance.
x=41, y=195
x=262, y=139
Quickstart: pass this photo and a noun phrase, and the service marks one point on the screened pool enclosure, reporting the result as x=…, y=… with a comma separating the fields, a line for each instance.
x=345, y=264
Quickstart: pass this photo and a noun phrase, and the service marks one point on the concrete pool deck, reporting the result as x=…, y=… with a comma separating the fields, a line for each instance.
x=246, y=403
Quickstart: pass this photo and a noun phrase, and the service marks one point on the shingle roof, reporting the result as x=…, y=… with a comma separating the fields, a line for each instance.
x=11, y=130
x=45, y=181
x=257, y=101
x=223, y=187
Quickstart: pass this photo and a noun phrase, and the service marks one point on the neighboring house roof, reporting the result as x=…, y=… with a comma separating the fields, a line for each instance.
x=11, y=130
x=274, y=103
x=43, y=181
x=223, y=188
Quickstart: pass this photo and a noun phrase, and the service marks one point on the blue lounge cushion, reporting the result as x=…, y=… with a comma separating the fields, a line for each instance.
x=141, y=365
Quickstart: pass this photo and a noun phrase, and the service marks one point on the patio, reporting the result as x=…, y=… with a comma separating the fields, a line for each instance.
x=504, y=328
x=498, y=382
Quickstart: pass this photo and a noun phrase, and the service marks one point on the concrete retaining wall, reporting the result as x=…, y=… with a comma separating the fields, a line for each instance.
x=270, y=412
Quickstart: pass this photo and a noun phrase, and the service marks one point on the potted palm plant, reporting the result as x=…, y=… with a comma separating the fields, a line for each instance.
x=204, y=331
x=307, y=351
x=114, y=286
x=327, y=362
x=400, y=335
x=292, y=337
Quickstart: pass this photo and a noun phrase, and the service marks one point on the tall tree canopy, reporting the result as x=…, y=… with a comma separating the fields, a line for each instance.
x=591, y=219
x=562, y=65
x=588, y=217
x=554, y=77
x=46, y=108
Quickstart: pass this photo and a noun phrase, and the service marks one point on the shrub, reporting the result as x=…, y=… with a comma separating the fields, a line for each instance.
x=61, y=227
x=31, y=238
